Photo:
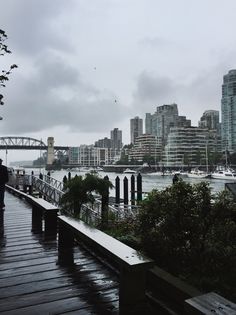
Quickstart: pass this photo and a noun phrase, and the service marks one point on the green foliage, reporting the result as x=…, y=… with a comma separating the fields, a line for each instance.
x=149, y=159
x=5, y=73
x=39, y=161
x=79, y=190
x=56, y=165
x=123, y=230
x=192, y=233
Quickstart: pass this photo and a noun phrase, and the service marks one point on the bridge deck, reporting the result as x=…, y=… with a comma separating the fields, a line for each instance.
x=31, y=281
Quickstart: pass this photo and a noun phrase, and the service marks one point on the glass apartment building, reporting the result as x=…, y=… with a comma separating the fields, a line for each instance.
x=228, y=112
x=136, y=128
x=146, y=145
x=165, y=117
x=192, y=146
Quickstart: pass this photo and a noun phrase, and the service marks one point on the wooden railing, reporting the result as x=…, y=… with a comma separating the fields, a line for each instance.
x=167, y=293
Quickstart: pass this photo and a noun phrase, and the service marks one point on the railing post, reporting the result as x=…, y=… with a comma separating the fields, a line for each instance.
x=40, y=177
x=37, y=216
x=126, y=191
x=117, y=190
x=24, y=184
x=139, y=187
x=132, y=292
x=105, y=202
x=64, y=181
x=30, y=189
x=132, y=190
x=31, y=183
x=17, y=179
x=50, y=221
x=1, y=223
x=65, y=245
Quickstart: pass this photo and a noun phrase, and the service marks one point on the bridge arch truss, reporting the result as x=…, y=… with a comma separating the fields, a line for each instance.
x=21, y=143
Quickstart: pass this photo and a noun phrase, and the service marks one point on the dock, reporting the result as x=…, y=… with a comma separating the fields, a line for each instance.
x=33, y=282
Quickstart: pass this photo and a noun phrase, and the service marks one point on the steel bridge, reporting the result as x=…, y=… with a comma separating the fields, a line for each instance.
x=26, y=143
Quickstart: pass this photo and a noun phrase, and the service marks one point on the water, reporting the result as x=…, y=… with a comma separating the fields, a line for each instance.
x=149, y=182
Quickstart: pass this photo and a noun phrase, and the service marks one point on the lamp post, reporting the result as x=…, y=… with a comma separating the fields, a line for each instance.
x=6, y=155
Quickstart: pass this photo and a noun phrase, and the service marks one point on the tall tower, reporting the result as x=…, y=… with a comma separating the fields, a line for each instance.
x=210, y=120
x=116, y=138
x=50, y=153
x=136, y=128
x=228, y=111
x=159, y=124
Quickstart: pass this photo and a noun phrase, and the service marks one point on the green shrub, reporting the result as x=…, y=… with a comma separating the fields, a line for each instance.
x=191, y=233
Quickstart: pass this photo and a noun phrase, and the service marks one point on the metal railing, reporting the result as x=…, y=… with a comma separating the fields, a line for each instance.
x=53, y=190
x=53, y=182
x=52, y=194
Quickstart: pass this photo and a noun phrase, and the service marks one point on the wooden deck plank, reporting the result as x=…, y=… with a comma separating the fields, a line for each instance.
x=53, y=294
x=32, y=282
x=64, y=305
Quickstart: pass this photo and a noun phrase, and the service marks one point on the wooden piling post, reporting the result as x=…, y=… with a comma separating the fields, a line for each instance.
x=117, y=190
x=126, y=192
x=139, y=187
x=132, y=190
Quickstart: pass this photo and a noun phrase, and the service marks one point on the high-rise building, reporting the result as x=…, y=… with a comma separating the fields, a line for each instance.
x=73, y=155
x=146, y=145
x=103, y=143
x=116, y=139
x=228, y=112
x=165, y=117
x=192, y=146
x=136, y=128
x=210, y=120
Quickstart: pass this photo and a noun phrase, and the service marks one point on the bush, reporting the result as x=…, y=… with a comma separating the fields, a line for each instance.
x=191, y=233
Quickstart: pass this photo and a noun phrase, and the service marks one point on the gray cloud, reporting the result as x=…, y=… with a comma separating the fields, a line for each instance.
x=193, y=97
x=33, y=26
x=157, y=42
x=153, y=90
x=145, y=55
x=56, y=95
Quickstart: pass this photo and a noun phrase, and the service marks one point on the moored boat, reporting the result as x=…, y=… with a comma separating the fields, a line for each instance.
x=129, y=171
x=224, y=173
x=196, y=173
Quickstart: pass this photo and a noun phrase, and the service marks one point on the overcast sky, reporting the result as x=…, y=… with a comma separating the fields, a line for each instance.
x=88, y=66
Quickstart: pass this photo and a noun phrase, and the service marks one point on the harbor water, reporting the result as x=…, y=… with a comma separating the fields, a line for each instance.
x=149, y=182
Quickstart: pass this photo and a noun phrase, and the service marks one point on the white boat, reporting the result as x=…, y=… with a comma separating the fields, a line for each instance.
x=180, y=173
x=75, y=169
x=224, y=173
x=129, y=171
x=166, y=173
x=196, y=173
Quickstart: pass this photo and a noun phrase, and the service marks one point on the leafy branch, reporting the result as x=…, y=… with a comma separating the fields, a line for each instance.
x=4, y=76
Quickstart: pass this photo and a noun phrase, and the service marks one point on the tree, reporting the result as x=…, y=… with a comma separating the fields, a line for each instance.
x=192, y=233
x=5, y=73
x=79, y=190
x=149, y=159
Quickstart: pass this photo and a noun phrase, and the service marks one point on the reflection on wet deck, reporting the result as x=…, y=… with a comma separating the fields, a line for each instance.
x=31, y=281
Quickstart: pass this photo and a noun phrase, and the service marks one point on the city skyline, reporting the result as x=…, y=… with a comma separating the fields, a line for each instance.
x=87, y=68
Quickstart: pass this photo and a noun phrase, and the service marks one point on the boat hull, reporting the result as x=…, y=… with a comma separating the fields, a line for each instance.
x=197, y=175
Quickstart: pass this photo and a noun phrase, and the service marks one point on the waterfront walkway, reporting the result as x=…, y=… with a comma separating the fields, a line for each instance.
x=32, y=282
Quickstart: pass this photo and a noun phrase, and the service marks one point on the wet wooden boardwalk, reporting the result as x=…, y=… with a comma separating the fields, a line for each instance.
x=31, y=281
